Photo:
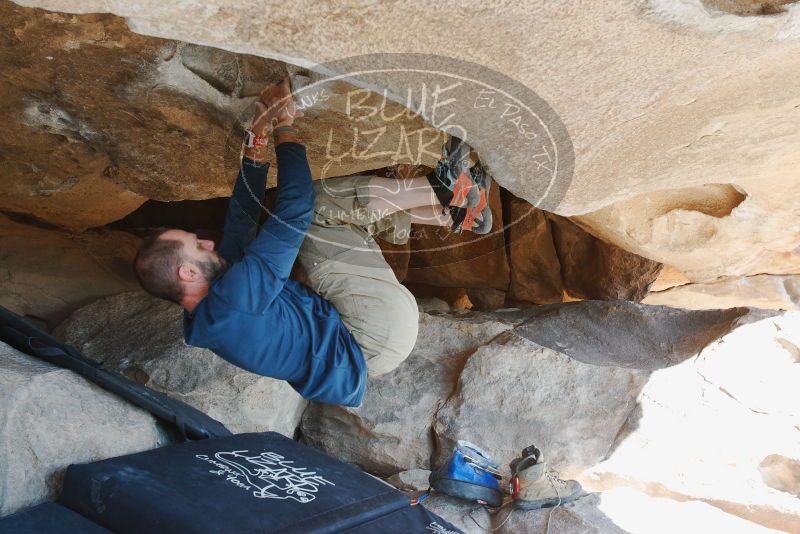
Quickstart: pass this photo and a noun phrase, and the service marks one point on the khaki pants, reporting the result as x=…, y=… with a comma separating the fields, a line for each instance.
x=345, y=265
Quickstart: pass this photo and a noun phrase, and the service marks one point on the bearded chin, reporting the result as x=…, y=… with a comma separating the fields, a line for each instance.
x=213, y=267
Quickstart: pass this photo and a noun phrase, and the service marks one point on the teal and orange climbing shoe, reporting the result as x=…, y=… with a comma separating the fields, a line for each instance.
x=451, y=179
x=462, y=190
x=477, y=218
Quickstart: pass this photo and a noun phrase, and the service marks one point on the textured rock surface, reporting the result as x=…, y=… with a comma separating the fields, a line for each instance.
x=592, y=269
x=50, y=418
x=391, y=430
x=758, y=291
x=411, y=480
x=443, y=259
x=161, y=124
x=553, y=259
x=637, y=513
x=579, y=517
x=513, y=393
x=618, y=511
x=659, y=111
x=46, y=274
x=469, y=378
x=629, y=334
x=142, y=337
x=471, y=518
x=708, y=429
x=532, y=256
x=709, y=231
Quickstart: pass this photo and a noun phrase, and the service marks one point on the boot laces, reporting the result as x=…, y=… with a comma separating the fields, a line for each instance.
x=557, y=483
x=554, y=479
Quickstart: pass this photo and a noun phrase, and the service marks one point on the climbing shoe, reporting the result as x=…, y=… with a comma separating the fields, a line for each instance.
x=478, y=218
x=469, y=474
x=532, y=486
x=451, y=180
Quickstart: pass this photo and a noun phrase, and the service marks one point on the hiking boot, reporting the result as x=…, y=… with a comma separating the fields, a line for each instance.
x=451, y=180
x=533, y=486
x=469, y=474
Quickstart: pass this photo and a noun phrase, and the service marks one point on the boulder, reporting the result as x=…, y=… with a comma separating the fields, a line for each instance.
x=45, y=274
x=578, y=517
x=638, y=513
x=628, y=334
x=663, y=134
x=391, y=430
x=781, y=473
x=720, y=428
x=471, y=518
x=582, y=516
x=513, y=393
x=593, y=269
x=444, y=259
x=114, y=136
x=552, y=259
x=773, y=292
x=142, y=337
x=411, y=480
x=668, y=277
x=532, y=256
x=51, y=418
x=486, y=299
x=397, y=256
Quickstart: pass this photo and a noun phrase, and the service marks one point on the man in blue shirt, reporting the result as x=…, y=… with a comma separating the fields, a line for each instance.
x=356, y=319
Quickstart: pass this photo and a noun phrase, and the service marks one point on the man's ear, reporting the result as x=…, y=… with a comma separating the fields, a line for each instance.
x=188, y=272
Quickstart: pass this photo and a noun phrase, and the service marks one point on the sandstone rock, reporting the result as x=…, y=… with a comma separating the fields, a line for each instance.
x=578, y=517
x=617, y=511
x=455, y=297
x=758, y=291
x=532, y=256
x=471, y=518
x=486, y=299
x=669, y=277
x=443, y=259
x=749, y=7
x=594, y=269
x=50, y=418
x=432, y=304
x=637, y=513
x=164, y=123
x=142, y=337
x=412, y=480
x=781, y=473
x=553, y=259
x=391, y=430
x=701, y=230
x=627, y=334
x=645, y=119
x=397, y=256
x=513, y=393
x=709, y=428
x=46, y=274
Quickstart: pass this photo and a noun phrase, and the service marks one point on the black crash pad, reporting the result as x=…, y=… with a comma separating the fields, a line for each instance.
x=48, y=518
x=411, y=519
x=261, y=482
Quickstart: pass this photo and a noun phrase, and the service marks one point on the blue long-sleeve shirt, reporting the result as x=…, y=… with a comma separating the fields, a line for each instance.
x=258, y=319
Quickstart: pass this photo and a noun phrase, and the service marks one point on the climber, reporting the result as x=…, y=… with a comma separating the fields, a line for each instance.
x=358, y=320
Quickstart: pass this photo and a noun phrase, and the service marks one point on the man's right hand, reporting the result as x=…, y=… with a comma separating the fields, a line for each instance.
x=281, y=108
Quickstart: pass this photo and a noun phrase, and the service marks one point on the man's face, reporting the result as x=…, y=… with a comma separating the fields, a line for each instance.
x=198, y=252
